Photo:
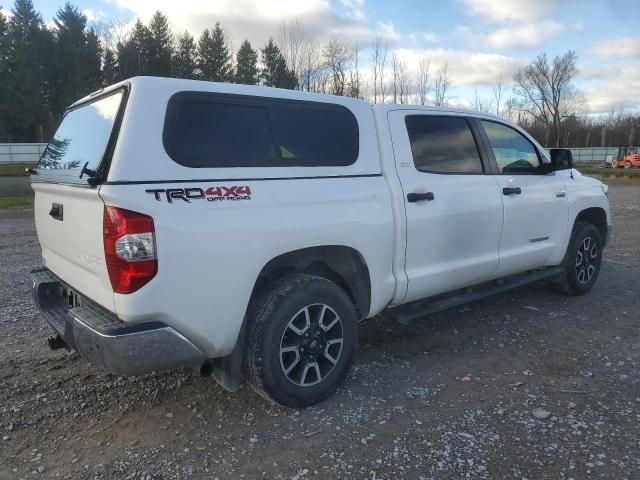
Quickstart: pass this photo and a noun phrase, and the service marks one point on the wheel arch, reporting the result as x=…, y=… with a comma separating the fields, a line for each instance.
x=595, y=216
x=343, y=265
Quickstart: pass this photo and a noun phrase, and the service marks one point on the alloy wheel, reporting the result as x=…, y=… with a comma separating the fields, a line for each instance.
x=311, y=344
x=586, y=260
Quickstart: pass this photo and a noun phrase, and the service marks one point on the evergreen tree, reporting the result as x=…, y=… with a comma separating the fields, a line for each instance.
x=184, y=61
x=77, y=58
x=247, y=65
x=275, y=72
x=92, y=58
x=133, y=53
x=109, y=68
x=4, y=76
x=30, y=48
x=4, y=45
x=214, y=58
x=69, y=42
x=160, y=46
x=126, y=60
x=4, y=40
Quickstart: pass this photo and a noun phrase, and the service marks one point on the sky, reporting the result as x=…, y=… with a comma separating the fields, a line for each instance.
x=481, y=40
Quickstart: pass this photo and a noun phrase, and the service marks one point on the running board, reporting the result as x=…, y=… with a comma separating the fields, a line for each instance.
x=407, y=314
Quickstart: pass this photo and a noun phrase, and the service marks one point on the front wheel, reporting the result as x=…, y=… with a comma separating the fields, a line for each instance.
x=627, y=165
x=582, y=260
x=301, y=340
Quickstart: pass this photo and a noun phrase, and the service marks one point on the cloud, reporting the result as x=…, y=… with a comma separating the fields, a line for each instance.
x=428, y=37
x=530, y=35
x=257, y=20
x=354, y=8
x=615, y=48
x=7, y=13
x=388, y=31
x=505, y=11
x=466, y=68
x=618, y=90
x=92, y=15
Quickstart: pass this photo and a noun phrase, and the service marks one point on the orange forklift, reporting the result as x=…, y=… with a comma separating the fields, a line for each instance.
x=628, y=157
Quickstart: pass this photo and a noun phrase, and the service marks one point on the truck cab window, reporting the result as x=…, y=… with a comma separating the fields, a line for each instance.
x=515, y=155
x=443, y=144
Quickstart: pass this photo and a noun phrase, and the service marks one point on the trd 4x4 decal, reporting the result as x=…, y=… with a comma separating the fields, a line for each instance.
x=211, y=194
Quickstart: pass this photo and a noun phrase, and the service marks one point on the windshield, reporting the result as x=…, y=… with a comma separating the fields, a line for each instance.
x=81, y=139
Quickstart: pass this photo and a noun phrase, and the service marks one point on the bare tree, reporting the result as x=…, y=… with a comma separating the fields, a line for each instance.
x=112, y=32
x=395, y=76
x=510, y=109
x=442, y=85
x=291, y=40
x=355, y=84
x=338, y=57
x=404, y=82
x=423, y=82
x=547, y=91
x=310, y=67
x=481, y=104
x=378, y=62
x=498, y=88
x=383, y=81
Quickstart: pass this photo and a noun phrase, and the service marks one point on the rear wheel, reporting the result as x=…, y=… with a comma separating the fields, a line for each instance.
x=301, y=341
x=582, y=260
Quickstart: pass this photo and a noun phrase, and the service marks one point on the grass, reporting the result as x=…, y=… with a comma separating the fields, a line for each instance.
x=628, y=181
x=611, y=176
x=16, y=202
x=14, y=169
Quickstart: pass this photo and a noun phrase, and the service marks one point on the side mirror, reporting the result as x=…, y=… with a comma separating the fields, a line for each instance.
x=561, y=158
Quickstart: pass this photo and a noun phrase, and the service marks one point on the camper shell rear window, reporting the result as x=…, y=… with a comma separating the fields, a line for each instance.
x=213, y=130
x=83, y=140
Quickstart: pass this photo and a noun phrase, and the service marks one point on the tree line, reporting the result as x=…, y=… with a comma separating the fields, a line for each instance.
x=44, y=69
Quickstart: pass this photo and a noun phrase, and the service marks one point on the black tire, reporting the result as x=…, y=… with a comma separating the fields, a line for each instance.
x=627, y=165
x=277, y=316
x=581, y=269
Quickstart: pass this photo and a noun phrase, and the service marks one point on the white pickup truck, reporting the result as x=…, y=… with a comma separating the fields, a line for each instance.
x=245, y=231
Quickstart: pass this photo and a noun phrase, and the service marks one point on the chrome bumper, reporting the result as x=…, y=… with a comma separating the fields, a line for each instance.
x=99, y=336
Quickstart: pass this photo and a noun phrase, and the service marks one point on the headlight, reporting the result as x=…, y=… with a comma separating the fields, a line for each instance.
x=605, y=188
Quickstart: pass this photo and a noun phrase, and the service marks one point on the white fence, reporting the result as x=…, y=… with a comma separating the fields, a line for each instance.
x=595, y=154
x=30, y=153
x=21, y=152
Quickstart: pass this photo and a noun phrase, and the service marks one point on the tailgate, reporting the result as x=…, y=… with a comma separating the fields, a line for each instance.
x=71, y=238
x=68, y=209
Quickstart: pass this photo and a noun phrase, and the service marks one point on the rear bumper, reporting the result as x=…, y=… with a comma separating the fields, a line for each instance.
x=105, y=340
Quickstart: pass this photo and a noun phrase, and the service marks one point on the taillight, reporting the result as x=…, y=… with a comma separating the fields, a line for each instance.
x=130, y=249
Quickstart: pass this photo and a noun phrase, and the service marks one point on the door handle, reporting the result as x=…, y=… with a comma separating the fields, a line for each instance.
x=418, y=197
x=511, y=191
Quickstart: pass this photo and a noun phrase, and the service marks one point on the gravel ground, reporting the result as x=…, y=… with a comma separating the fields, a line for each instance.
x=526, y=385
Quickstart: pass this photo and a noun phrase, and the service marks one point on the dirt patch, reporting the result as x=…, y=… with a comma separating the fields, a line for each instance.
x=406, y=410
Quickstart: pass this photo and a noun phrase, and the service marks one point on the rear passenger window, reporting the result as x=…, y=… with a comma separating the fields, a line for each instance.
x=443, y=144
x=315, y=136
x=218, y=130
x=210, y=134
